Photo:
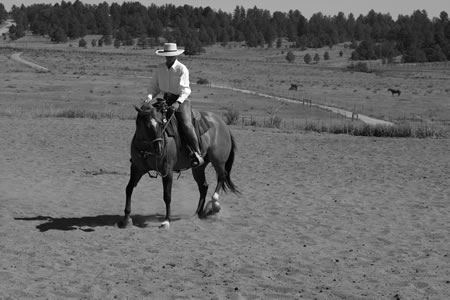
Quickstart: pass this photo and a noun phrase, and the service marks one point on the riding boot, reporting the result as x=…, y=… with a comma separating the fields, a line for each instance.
x=192, y=141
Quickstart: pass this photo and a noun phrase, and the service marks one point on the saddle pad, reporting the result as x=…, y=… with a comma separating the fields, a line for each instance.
x=201, y=125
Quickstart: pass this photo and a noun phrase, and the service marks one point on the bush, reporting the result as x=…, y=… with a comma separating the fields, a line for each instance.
x=316, y=58
x=75, y=114
x=107, y=40
x=275, y=122
x=231, y=116
x=307, y=58
x=290, y=57
x=202, y=81
x=360, y=67
x=82, y=43
x=279, y=43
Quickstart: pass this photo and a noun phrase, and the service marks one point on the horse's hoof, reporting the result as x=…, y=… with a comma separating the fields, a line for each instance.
x=216, y=207
x=211, y=208
x=125, y=223
x=165, y=225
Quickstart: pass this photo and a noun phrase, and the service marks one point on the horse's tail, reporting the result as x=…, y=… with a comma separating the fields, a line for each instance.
x=226, y=180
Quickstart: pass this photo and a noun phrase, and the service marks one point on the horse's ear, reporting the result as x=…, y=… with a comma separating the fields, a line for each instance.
x=137, y=108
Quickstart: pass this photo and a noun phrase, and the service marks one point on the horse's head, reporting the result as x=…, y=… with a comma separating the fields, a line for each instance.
x=149, y=133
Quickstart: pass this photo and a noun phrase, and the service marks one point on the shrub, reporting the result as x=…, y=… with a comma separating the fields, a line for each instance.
x=275, y=122
x=307, y=58
x=279, y=43
x=290, y=57
x=202, y=81
x=142, y=42
x=107, y=40
x=317, y=58
x=82, y=43
x=231, y=116
x=360, y=67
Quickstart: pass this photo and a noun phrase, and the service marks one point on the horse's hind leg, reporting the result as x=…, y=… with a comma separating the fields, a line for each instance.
x=200, y=178
x=135, y=176
x=220, y=185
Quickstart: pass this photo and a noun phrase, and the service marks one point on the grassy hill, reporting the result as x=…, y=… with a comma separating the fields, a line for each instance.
x=264, y=70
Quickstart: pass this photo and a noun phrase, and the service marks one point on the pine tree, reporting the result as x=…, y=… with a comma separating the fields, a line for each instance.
x=3, y=13
x=279, y=43
x=290, y=57
x=307, y=58
x=316, y=58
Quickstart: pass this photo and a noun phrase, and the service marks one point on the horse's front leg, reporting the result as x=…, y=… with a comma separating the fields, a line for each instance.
x=167, y=186
x=135, y=176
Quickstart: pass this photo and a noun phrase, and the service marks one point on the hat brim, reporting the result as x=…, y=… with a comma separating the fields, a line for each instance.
x=169, y=53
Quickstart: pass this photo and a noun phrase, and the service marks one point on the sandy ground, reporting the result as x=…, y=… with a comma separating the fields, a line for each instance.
x=320, y=217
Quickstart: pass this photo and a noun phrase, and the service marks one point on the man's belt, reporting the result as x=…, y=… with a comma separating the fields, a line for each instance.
x=170, y=98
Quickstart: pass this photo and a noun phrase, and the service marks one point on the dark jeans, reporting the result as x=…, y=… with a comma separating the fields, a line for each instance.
x=184, y=116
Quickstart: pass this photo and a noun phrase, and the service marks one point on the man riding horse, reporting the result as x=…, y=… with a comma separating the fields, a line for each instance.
x=172, y=80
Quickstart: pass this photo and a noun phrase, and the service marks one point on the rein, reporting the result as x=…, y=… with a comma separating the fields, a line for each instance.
x=157, y=158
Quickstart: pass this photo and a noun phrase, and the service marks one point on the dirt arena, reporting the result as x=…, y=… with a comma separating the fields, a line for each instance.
x=320, y=217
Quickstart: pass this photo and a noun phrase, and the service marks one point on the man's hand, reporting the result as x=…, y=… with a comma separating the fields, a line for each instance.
x=149, y=99
x=175, y=106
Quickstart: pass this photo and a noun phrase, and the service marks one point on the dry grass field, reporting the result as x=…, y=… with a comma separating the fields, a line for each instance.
x=321, y=216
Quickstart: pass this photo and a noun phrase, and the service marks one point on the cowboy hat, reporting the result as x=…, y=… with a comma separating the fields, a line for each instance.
x=170, y=49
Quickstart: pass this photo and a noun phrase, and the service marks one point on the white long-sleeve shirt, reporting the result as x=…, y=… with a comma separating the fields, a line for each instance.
x=173, y=80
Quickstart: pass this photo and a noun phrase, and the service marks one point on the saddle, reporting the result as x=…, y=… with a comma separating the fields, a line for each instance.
x=173, y=129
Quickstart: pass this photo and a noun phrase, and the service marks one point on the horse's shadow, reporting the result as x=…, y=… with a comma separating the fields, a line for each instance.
x=88, y=224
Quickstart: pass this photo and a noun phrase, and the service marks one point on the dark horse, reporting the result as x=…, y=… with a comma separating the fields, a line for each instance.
x=156, y=147
x=394, y=91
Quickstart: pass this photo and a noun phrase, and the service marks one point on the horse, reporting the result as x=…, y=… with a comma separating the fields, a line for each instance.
x=156, y=147
x=394, y=91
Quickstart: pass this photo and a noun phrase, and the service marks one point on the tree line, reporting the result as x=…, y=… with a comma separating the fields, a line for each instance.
x=416, y=37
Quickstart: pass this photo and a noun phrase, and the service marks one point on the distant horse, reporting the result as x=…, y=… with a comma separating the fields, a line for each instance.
x=394, y=91
x=156, y=147
x=293, y=87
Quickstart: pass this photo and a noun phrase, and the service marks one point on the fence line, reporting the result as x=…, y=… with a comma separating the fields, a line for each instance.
x=296, y=97
x=426, y=65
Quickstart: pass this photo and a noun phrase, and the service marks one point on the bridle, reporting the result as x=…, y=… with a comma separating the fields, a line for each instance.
x=158, y=157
